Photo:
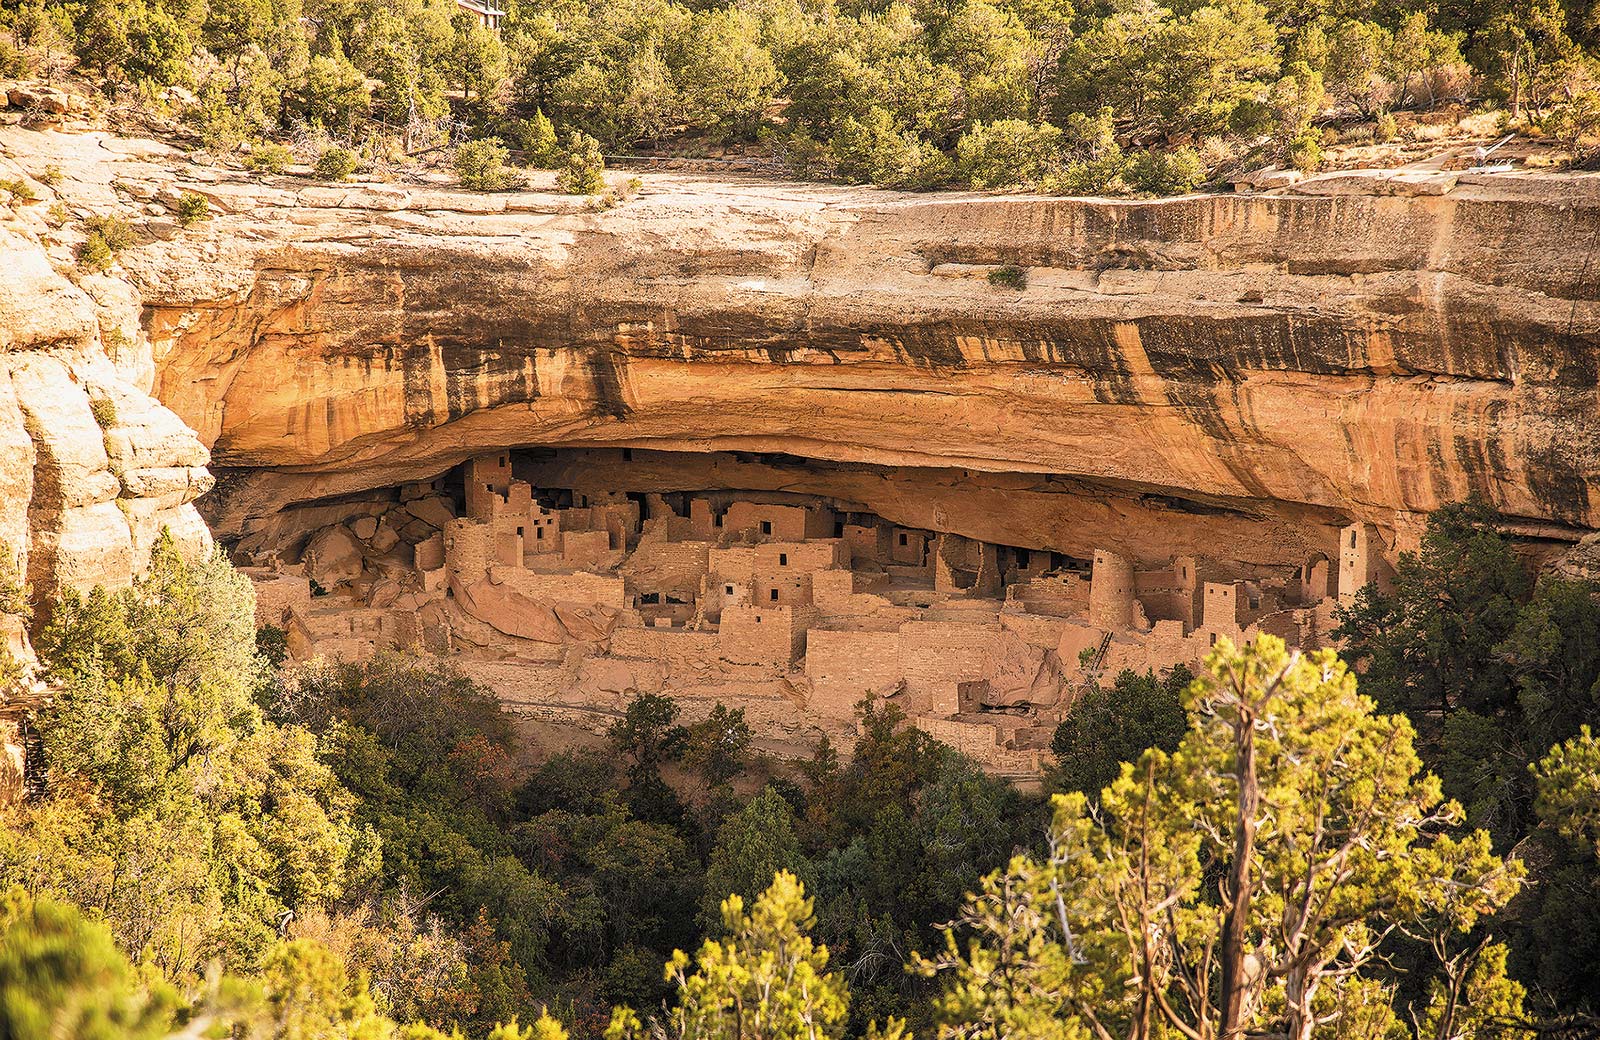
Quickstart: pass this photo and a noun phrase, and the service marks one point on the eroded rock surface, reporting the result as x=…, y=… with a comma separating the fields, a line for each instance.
x=1347, y=345
x=92, y=467
x=1244, y=379
x=1372, y=345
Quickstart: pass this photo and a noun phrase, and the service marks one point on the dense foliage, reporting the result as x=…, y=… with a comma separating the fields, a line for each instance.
x=1114, y=724
x=1254, y=881
x=358, y=844
x=1496, y=669
x=333, y=849
x=1102, y=95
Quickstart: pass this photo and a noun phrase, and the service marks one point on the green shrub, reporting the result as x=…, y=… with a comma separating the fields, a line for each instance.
x=61, y=974
x=193, y=208
x=221, y=126
x=18, y=190
x=1388, y=127
x=93, y=253
x=482, y=165
x=114, y=231
x=50, y=176
x=336, y=164
x=874, y=150
x=540, y=147
x=269, y=158
x=1099, y=176
x=583, y=166
x=1008, y=277
x=58, y=214
x=1006, y=152
x=1251, y=117
x=1305, y=152
x=272, y=642
x=104, y=411
x=1166, y=173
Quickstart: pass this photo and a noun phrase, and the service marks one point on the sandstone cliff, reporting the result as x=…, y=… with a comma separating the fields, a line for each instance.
x=1355, y=347
x=92, y=467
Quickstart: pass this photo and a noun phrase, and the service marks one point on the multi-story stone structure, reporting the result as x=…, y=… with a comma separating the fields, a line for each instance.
x=570, y=600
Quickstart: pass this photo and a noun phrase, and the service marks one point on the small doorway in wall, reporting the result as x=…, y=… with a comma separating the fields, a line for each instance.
x=766, y=527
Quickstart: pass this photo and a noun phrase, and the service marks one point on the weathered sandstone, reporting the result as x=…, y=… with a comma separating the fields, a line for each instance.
x=1236, y=379
x=1346, y=349
x=92, y=467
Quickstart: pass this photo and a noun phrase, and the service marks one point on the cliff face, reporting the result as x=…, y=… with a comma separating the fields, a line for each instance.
x=1361, y=347
x=92, y=467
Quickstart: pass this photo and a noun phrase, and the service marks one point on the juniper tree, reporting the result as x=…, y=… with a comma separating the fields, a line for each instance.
x=1245, y=882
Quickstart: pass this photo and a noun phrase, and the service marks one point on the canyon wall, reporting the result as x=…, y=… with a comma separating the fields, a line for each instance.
x=1357, y=347
x=92, y=467
x=1337, y=351
x=1228, y=384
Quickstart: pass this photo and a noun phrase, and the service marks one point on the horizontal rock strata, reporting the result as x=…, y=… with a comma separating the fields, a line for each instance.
x=1356, y=347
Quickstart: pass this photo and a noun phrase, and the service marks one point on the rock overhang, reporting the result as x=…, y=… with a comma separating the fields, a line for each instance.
x=1363, y=346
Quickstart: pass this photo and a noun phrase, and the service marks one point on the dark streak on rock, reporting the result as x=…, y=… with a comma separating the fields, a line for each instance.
x=1556, y=482
x=606, y=382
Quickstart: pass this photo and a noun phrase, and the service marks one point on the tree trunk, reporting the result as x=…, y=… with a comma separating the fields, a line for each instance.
x=1302, y=1022
x=1236, y=891
x=1516, y=87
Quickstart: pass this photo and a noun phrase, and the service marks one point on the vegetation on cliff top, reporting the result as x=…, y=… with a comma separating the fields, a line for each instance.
x=335, y=849
x=1098, y=96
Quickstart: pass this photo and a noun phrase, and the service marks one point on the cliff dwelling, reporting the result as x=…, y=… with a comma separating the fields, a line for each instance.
x=787, y=448
x=571, y=580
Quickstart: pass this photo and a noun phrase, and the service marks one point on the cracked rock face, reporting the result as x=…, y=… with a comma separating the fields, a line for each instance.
x=1345, y=349
x=1356, y=347
x=92, y=467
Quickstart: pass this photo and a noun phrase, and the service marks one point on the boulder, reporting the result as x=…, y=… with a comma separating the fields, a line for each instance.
x=385, y=537
x=364, y=527
x=435, y=510
x=1579, y=563
x=416, y=531
x=333, y=557
x=47, y=100
x=383, y=593
x=1268, y=179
